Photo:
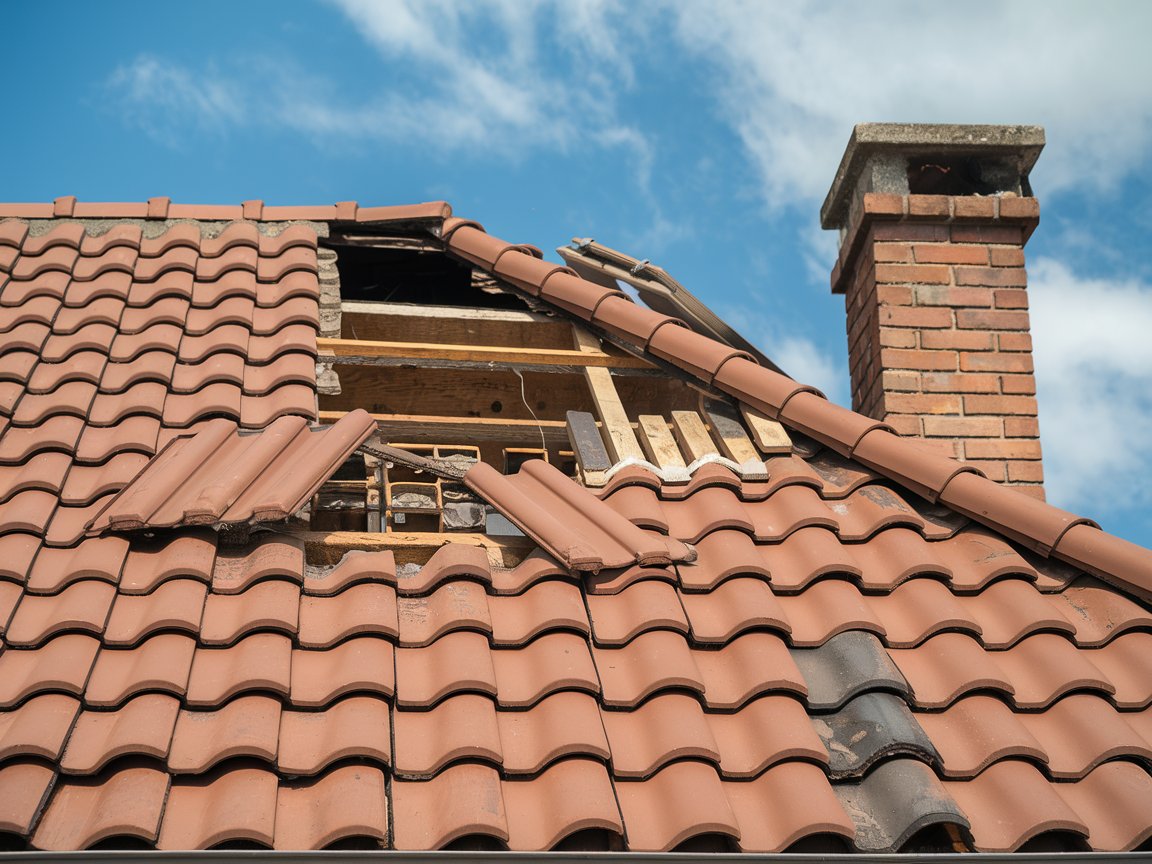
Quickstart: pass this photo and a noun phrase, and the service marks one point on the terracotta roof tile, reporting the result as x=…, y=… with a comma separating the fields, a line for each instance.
x=59, y=665
x=25, y=786
x=362, y=664
x=553, y=662
x=1113, y=801
x=570, y=796
x=262, y=661
x=140, y=727
x=86, y=483
x=246, y=726
x=39, y=727
x=170, y=309
x=81, y=812
x=355, y=568
x=159, y=663
x=667, y=727
x=460, y=801
x=190, y=554
x=641, y=607
x=266, y=558
x=270, y=605
x=562, y=724
x=457, y=662
x=543, y=607
x=55, y=569
x=352, y=804
x=81, y=607
x=358, y=727
x=453, y=560
x=228, y=805
x=683, y=801
x=784, y=805
x=460, y=727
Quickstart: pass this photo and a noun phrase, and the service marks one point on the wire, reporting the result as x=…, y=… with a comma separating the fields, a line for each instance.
x=524, y=399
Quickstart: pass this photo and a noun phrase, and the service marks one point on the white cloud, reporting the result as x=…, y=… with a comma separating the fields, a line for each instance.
x=794, y=77
x=1093, y=355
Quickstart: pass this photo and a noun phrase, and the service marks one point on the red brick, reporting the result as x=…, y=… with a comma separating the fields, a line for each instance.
x=913, y=273
x=1006, y=256
x=999, y=277
x=981, y=319
x=905, y=232
x=893, y=338
x=958, y=340
x=949, y=253
x=1018, y=384
x=894, y=295
x=1010, y=298
x=963, y=427
x=1019, y=208
x=1026, y=472
x=923, y=403
x=883, y=204
x=1001, y=448
x=936, y=206
x=904, y=424
x=899, y=252
x=946, y=447
x=993, y=469
x=972, y=382
x=1004, y=234
x=1014, y=341
x=915, y=316
x=1032, y=491
x=897, y=380
x=896, y=358
x=996, y=362
x=1021, y=427
x=1000, y=405
x=973, y=207
x=949, y=295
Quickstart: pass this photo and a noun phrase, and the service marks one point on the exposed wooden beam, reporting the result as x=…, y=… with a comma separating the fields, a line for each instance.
x=588, y=448
x=328, y=547
x=619, y=437
x=769, y=435
x=363, y=350
x=734, y=441
x=658, y=442
x=692, y=435
x=420, y=428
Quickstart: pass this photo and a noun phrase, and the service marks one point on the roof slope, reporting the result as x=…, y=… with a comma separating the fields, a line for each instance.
x=849, y=655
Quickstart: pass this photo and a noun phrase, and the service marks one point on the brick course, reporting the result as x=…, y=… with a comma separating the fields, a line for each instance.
x=938, y=328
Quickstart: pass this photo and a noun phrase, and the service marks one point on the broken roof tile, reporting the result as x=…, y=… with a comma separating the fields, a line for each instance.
x=356, y=567
x=142, y=726
x=357, y=727
x=247, y=726
x=452, y=560
x=845, y=666
x=871, y=727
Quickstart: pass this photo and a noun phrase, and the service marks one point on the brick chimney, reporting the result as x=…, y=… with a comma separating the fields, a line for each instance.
x=933, y=220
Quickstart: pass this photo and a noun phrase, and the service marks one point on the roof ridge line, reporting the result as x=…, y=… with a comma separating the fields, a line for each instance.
x=1037, y=525
x=160, y=208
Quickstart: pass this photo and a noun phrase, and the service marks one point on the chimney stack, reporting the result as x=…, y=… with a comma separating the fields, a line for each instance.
x=933, y=220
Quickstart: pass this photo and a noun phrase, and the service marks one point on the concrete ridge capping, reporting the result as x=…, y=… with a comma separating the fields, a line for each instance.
x=67, y=207
x=1020, y=145
x=1041, y=527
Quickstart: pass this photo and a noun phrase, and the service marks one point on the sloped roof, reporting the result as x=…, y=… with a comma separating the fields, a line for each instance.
x=872, y=641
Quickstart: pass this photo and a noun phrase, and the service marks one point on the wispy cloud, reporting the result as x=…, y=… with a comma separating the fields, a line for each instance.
x=1094, y=376
x=792, y=78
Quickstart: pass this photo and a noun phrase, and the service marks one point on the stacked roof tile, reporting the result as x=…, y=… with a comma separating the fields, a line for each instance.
x=849, y=658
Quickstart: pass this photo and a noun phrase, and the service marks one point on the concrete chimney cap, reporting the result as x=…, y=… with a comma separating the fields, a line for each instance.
x=875, y=142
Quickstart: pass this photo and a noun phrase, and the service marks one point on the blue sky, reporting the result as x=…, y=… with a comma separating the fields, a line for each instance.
x=700, y=135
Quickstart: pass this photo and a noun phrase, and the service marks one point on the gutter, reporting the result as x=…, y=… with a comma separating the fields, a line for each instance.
x=220, y=856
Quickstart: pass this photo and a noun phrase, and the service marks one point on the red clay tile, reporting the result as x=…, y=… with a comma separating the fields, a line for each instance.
x=13, y=232
x=134, y=433
x=42, y=310
x=39, y=727
x=55, y=569
x=174, y=605
x=1044, y=667
x=230, y=310
x=110, y=283
x=458, y=662
x=293, y=235
x=236, y=283
x=16, y=554
x=159, y=663
x=31, y=336
x=710, y=509
x=220, y=399
x=298, y=283
x=357, y=727
x=81, y=607
x=101, y=310
x=667, y=727
x=545, y=606
x=737, y=605
x=68, y=523
x=1114, y=802
x=31, y=264
x=573, y=795
x=228, y=805
x=159, y=337
x=10, y=594
x=73, y=397
x=91, y=337
x=226, y=337
x=171, y=284
x=266, y=558
x=460, y=801
x=1082, y=730
x=560, y=725
x=294, y=337
x=23, y=788
x=367, y=608
x=460, y=727
x=246, y=726
x=149, y=269
x=793, y=508
x=29, y=511
x=149, y=366
x=270, y=605
x=977, y=731
x=1126, y=662
x=290, y=310
x=171, y=309
x=43, y=471
x=645, y=606
x=66, y=234
x=746, y=667
x=291, y=368
x=125, y=235
x=295, y=258
x=1010, y=803
x=826, y=608
x=117, y=260
x=453, y=560
x=85, y=366
x=347, y=802
x=17, y=293
x=86, y=483
x=1012, y=609
x=142, y=727
x=61, y=432
x=787, y=803
x=234, y=258
x=18, y=365
x=721, y=555
x=651, y=662
x=557, y=661
x=949, y=666
x=180, y=234
x=221, y=367
x=1098, y=613
x=805, y=556
x=918, y=609
x=259, y=662
x=766, y=731
x=362, y=664
x=190, y=554
x=355, y=568
x=144, y=397
x=82, y=812
x=256, y=412
x=458, y=605
x=234, y=234
x=683, y=801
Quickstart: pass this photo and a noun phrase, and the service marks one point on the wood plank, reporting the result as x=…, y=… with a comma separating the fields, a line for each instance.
x=588, y=447
x=453, y=325
x=620, y=439
x=328, y=547
x=733, y=439
x=692, y=435
x=658, y=443
x=771, y=437
x=361, y=348
x=434, y=429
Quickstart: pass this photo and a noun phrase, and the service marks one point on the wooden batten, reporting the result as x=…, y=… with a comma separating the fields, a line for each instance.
x=328, y=547
x=619, y=438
